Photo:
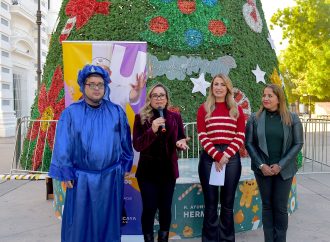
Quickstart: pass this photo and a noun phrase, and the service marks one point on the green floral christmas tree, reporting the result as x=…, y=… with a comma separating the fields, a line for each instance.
x=189, y=41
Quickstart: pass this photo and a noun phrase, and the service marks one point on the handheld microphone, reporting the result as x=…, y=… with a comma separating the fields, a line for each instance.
x=161, y=114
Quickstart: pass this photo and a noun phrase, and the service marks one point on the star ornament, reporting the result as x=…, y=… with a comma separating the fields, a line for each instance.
x=260, y=75
x=271, y=42
x=255, y=208
x=200, y=85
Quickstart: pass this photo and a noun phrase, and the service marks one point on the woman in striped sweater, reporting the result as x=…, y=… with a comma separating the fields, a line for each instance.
x=221, y=131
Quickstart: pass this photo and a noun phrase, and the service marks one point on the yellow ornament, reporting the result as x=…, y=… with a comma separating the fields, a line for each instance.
x=275, y=78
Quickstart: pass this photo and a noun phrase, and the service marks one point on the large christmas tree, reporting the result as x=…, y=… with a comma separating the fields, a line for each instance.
x=189, y=41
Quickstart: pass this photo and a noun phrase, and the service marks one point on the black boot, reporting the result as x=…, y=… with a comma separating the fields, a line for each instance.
x=148, y=237
x=163, y=236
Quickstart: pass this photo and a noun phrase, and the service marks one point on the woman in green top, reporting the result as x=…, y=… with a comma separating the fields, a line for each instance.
x=274, y=137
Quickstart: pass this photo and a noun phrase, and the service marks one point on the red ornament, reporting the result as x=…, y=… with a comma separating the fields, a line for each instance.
x=253, y=14
x=67, y=29
x=49, y=108
x=83, y=10
x=158, y=24
x=217, y=27
x=187, y=6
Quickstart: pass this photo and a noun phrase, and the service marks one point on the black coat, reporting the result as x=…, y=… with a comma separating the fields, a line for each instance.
x=255, y=143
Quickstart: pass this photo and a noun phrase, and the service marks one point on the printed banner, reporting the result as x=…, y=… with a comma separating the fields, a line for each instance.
x=124, y=61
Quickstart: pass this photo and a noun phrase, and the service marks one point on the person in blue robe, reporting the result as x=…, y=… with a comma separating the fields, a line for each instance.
x=92, y=152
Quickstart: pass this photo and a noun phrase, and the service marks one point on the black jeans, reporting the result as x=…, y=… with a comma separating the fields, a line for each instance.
x=156, y=196
x=213, y=229
x=274, y=193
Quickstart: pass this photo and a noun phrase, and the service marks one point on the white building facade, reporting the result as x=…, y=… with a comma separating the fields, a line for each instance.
x=19, y=52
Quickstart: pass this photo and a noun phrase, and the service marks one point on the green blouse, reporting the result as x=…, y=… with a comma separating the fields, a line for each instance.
x=274, y=136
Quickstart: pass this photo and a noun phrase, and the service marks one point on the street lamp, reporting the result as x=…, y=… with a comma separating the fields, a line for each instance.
x=39, y=37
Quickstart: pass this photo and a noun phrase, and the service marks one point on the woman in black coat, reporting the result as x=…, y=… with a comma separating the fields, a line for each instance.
x=274, y=137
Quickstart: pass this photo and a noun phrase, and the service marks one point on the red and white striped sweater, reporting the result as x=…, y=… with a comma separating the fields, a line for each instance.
x=220, y=128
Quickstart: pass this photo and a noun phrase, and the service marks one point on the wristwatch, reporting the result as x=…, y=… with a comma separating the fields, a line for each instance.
x=261, y=166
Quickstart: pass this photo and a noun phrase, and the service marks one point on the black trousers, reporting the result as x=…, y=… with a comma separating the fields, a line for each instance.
x=156, y=196
x=214, y=229
x=274, y=193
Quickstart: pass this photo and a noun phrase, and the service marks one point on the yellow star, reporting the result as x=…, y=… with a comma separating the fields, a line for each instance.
x=255, y=208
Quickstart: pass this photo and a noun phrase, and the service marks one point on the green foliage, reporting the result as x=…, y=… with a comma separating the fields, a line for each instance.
x=307, y=58
x=27, y=154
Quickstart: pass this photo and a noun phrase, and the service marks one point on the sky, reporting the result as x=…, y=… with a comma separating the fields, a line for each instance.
x=270, y=7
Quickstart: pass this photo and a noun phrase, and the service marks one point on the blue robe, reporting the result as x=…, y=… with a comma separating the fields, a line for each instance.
x=93, y=148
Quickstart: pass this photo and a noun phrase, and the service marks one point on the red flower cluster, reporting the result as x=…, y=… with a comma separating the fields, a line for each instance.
x=49, y=108
x=83, y=10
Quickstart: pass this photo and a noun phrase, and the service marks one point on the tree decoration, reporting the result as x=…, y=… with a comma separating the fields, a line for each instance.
x=158, y=24
x=200, y=85
x=80, y=11
x=210, y=3
x=187, y=6
x=193, y=37
x=275, y=78
x=271, y=42
x=217, y=27
x=260, y=75
x=178, y=67
x=50, y=108
x=187, y=25
x=67, y=28
x=252, y=16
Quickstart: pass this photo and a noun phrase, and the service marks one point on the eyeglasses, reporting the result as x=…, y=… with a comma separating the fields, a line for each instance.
x=99, y=86
x=156, y=96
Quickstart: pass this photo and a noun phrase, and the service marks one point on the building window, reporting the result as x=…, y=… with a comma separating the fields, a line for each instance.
x=17, y=90
x=4, y=6
x=5, y=102
x=5, y=86
x=4, y=53
x=43, y=41
x=5, y=70
x=4, y=38
x=44, y=54
x=4, y=22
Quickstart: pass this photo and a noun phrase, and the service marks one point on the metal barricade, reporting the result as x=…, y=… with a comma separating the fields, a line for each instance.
x=33, y=141
x=316, y=149
x=193, y=143
x=316, y=146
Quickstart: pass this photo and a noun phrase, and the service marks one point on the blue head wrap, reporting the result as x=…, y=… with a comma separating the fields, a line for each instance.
x=98, y=70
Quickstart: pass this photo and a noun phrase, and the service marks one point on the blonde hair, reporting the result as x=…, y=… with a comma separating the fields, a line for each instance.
x=282, y=108
x=229, y=99
x=146, y=112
